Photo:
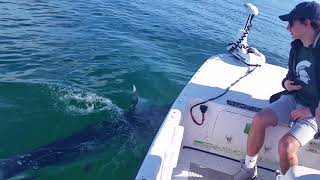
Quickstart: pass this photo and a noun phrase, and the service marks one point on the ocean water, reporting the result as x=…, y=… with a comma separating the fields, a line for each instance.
x=67, y=64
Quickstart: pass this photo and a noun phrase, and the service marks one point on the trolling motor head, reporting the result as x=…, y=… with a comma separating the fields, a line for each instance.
x=252, y=9
x=240, y=48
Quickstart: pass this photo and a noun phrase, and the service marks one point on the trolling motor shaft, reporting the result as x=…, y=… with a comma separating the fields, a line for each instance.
x=240, y=48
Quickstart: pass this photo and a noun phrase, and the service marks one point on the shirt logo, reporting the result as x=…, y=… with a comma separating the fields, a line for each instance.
x=301, y=71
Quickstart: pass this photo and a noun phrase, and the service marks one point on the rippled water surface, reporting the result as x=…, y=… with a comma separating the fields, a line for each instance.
x=67, y=64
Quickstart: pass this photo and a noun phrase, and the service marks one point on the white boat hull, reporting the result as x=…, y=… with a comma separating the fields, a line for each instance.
x=185, y=150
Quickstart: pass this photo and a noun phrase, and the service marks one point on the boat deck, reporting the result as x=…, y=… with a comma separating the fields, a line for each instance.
x=183, y=149
x=194, y=164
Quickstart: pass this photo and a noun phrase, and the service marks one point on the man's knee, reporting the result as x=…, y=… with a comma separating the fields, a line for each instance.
x=264, y=118
x=288, y=146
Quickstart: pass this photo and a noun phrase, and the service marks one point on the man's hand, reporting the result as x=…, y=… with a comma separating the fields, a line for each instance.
x=289, y=85
x=301, y=113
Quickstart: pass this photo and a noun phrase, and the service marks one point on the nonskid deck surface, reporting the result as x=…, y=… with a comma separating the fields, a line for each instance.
x=194, y=164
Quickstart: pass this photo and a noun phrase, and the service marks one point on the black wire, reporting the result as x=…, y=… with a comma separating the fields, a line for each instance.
x=246, y=29
x=235, y=45
x=225, y=91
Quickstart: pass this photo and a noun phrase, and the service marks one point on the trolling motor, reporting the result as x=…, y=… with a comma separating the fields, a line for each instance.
x=240, y=48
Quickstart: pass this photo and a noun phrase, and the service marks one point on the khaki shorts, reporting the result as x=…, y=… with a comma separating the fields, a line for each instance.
x=303, y=130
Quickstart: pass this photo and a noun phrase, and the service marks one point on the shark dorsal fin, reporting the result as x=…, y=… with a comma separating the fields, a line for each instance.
x=134, y=98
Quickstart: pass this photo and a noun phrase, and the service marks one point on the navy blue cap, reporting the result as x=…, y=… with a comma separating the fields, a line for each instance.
x=308, y=10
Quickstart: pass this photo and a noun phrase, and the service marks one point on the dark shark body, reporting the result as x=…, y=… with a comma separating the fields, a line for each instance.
x=86, y=141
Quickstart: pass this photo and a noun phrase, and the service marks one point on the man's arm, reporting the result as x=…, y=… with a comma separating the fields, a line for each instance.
x=290, y=74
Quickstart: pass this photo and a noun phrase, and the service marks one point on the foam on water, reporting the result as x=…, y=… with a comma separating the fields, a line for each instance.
x=79, y=101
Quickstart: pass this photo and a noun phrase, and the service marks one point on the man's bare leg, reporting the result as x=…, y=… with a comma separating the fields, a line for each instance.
x=288, y=148
x=318, y=115
x=263, y=119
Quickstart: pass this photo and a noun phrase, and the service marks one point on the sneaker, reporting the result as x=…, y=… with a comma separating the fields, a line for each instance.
x=245, y=173
x=279, y=175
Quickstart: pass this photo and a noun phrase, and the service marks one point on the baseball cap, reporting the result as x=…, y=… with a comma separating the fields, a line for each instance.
x=308, y=10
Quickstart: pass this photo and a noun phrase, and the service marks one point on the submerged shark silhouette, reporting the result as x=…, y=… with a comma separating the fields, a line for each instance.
x=138, y=119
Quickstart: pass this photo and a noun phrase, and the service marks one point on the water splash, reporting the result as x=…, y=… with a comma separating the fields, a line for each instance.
x=78, y=101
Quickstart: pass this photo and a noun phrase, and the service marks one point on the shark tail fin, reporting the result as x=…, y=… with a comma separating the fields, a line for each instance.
x=134, y=98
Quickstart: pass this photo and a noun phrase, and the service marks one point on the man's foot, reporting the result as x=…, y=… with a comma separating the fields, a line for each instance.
x=278, y=174
x=245, y=173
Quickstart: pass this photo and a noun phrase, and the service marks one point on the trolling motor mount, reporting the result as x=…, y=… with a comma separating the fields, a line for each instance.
x=240, y=48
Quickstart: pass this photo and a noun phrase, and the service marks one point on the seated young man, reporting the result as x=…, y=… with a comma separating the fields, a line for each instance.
x=299, y=101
